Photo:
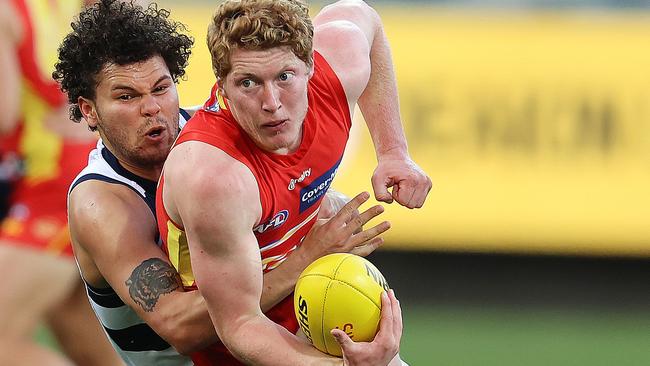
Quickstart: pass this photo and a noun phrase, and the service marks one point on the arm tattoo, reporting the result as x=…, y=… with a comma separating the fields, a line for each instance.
x=151, y=279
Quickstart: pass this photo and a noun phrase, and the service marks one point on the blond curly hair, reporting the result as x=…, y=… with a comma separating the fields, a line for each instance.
x=259, y=25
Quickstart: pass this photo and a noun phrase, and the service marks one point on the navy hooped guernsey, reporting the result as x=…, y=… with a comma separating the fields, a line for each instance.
x=130, y=336
x=291, y=187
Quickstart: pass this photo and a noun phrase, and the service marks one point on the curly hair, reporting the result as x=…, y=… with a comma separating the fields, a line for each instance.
x=112, y=31
x=259, y=25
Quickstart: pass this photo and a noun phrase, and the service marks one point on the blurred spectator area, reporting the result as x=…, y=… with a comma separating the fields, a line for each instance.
x=531, y=117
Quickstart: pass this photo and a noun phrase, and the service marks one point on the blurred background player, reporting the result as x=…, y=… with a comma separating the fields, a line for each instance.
x=10, y=36
x=40, y=281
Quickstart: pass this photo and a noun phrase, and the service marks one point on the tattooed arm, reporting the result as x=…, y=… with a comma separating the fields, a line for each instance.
x=113, y=234
x=151, y=279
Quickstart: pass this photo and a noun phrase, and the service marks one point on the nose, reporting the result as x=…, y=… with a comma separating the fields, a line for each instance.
x=270, y=99
x=150, y=106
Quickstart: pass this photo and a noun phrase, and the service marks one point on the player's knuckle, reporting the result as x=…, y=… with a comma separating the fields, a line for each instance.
x=347, y=210
x=357, y=221
x=366, y=235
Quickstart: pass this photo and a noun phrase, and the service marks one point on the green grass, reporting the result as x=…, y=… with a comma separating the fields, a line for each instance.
x=531, y=337
x=45, y=337
x=502, y=336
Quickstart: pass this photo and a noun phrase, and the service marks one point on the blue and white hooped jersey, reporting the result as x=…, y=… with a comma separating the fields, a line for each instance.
x=131, y=337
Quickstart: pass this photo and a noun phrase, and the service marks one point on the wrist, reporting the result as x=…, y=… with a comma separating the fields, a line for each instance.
x=298, y=260
x=393, y=153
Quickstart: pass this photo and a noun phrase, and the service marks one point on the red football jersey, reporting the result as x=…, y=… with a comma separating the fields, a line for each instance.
x=291, y=186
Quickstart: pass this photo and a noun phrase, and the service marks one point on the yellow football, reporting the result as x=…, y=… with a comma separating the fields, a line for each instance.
x=339, y=291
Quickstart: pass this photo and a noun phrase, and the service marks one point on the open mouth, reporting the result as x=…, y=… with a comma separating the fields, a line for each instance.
x=155, y=132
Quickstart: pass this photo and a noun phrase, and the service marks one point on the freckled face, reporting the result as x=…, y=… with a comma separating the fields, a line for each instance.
x=267, y=95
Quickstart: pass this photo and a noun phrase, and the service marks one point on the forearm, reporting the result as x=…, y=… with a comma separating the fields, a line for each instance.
x=379, y=102
x=249, y=335
x=186, y=323
x=232, y=294
x=257, y=343
x=280, y=282
x=155, y=292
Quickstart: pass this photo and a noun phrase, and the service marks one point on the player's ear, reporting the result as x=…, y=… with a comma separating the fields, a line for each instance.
x=311, y=68
x=89, y=111
x=220, y=89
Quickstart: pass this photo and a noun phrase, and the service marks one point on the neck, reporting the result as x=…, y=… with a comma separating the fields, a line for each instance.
x=147, y=170
x=151, y=172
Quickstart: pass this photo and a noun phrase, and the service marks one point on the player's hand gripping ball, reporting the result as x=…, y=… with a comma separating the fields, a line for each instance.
x=339, y=291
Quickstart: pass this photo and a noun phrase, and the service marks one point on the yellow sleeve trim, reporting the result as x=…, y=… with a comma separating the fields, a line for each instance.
x=179, y=253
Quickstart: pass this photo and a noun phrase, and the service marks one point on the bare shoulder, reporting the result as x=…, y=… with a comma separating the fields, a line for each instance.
x=95, y=197
x=330, y=36
x=343, y=34
x=198, y=172
x=349, y=17
x=356, y=11
x=105, y=221
x=98, y=210
x=205, y=168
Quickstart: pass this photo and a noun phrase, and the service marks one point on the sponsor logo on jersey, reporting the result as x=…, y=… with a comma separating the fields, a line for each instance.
x=310, y=194
x=293, y=182
x=275, y=222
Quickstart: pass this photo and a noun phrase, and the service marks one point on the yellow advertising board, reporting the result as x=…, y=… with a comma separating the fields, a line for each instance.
x=534, y=127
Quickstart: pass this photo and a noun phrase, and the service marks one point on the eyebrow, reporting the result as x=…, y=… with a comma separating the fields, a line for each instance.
x=128, y=88
x=248, y=75
x=244, y=75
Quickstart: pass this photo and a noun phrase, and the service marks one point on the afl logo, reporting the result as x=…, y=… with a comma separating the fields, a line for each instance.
x=276, y=221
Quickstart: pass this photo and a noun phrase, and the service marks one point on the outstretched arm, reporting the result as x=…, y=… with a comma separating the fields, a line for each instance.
x=364, y=67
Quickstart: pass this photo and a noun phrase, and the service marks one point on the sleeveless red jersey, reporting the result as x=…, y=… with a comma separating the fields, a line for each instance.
x=291, y=187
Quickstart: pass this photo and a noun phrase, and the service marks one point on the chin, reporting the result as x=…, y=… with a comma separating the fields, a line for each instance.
x=278, y=145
